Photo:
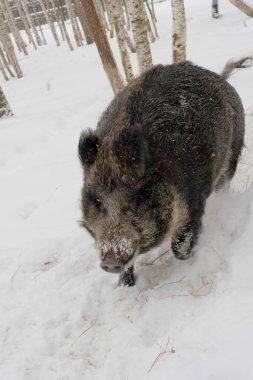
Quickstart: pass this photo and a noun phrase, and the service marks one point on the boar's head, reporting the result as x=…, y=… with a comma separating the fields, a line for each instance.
x=121, y=196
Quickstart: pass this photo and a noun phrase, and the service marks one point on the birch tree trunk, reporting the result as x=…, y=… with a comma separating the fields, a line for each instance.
x=5, y=62
x=152, y=16
x=57, y=6
x=179, y=31
x=139, y=29
x=36, y=17
x=127, y=15
x=83, y=20
x=25, y=23
x=2, y=69
x=5, y=110
x=115, y=10
x=72, y=18
x=111, y=29
x=30, y=20
x=13, y=27
x=103, y=46
x=243, y=7
x=8, y=47
x=49, y=21
x=55, y=15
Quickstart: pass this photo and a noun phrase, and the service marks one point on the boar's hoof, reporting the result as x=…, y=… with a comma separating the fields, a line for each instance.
x=112, y=266
x=127, y=278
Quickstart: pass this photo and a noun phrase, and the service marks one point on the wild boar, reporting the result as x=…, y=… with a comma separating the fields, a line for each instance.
x=166, y=141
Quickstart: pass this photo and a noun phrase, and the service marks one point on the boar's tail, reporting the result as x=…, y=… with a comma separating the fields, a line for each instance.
x=240, y=64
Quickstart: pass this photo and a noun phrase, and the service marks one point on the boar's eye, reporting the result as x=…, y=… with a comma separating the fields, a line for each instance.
x=93, y=200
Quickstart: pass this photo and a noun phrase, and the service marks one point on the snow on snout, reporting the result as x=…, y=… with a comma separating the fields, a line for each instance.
x=121, y=249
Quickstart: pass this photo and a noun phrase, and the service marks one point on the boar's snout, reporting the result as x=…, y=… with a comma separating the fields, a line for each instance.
x=112, y=266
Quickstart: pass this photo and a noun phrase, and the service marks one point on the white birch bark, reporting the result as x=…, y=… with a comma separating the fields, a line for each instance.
x=115, y=11
x=8, y=47
x=152, y=16
x=72, y=18
x=13, y=27
x=149, y=29
x=49, y=21
x=57, y=6
x=30, y=20
x=139, y=29
x=127, y=15
x=179, y=31
x=2, y=69
x=36, y=17
x=25, y=23
x=5, y=62
x=55, y=15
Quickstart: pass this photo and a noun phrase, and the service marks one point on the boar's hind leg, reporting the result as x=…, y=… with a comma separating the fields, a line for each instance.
x=183, y=242
x=127, y=277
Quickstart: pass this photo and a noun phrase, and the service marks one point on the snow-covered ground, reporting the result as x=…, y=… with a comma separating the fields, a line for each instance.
x=61, y=316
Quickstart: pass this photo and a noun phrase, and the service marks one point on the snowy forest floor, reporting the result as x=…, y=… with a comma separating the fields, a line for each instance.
x=61, y=317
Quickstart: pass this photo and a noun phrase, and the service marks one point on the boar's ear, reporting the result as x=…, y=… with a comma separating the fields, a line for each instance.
x=88, y=147
x=132, y=150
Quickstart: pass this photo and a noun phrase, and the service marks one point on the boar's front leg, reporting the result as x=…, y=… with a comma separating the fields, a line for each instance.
x=183, y=243
x=127, y=277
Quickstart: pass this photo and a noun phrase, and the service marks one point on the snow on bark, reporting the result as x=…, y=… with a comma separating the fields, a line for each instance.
x=139, y=29
x=179, y=31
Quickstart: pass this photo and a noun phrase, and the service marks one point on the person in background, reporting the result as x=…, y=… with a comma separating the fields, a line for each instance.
x=215, y=9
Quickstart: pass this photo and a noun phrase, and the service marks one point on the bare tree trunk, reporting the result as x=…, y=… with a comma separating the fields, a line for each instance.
x=102, y=46
x=243, y=7
x=12, y=25
x=72, y=18
x=57, y=6
x=149, y=29
x=36, y=17
x=5, y=62
x=55, y=16
x=49, y=21
x=3, y=69
x=129, y=42
x=109, y=18
x=152, y=16
x=101, y=15
x=25, y=23
x=83, y=20
x=127, y=15
x=8, y=47
x=30, y=20
x=153, y=9
x=115, y=11
x=179, y=31
x=139, y=29
x=5, y=110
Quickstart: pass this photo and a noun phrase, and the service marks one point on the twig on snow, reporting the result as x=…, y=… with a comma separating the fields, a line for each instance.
x=14, y=274
x=92, y=324
x=163, y=352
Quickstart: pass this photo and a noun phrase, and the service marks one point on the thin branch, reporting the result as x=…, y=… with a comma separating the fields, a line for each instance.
x=93, y=324
x=163, y=352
